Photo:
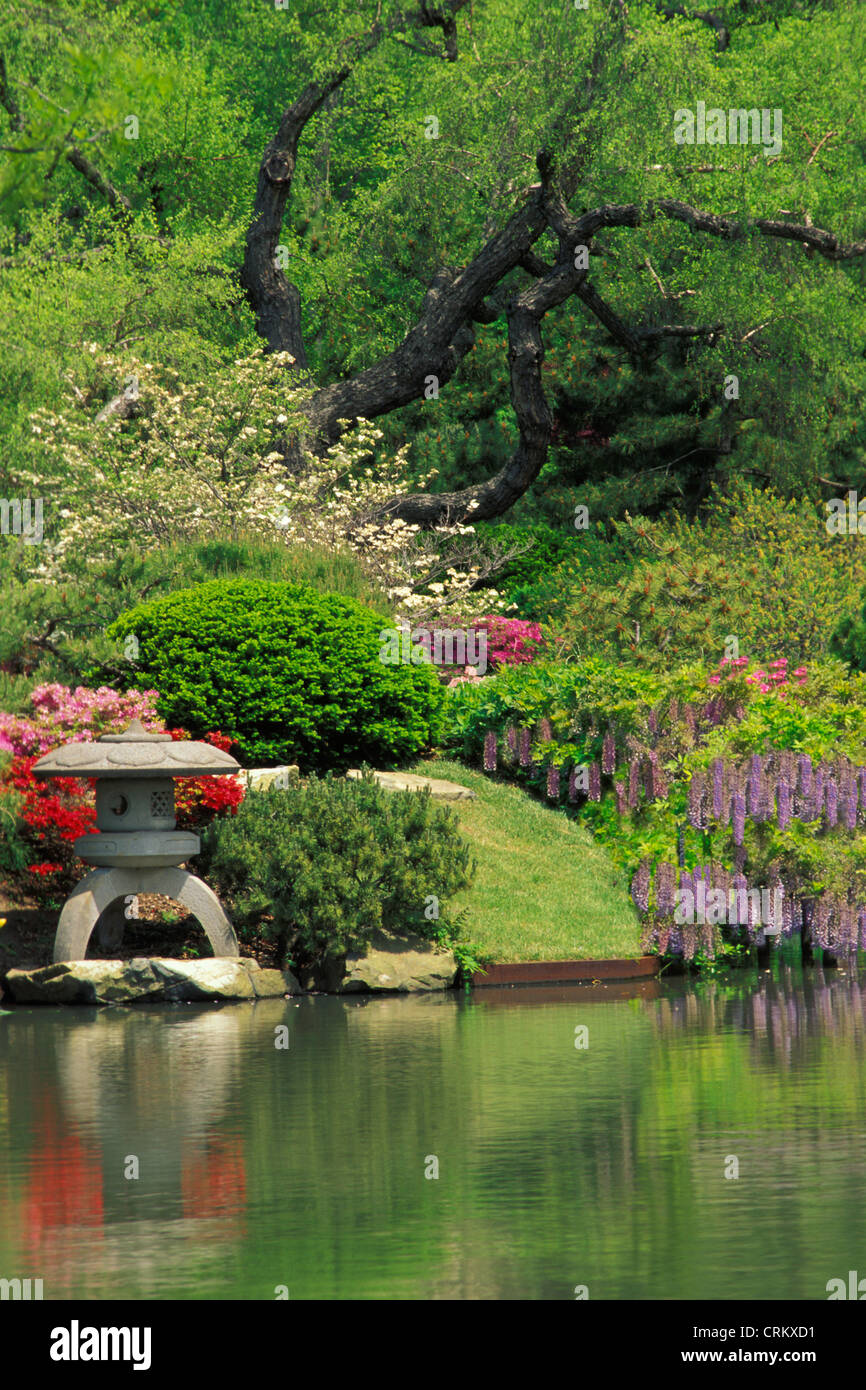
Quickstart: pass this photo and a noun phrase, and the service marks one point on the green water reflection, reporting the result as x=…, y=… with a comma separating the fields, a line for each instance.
x=558, y=1166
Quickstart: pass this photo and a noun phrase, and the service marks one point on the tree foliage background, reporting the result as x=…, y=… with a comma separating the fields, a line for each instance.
x=171, y=105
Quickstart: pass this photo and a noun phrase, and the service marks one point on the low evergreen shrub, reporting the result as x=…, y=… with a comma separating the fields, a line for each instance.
x=319, y=867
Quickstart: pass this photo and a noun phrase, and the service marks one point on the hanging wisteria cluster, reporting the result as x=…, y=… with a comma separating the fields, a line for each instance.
x=780, y=787
x=778, y=910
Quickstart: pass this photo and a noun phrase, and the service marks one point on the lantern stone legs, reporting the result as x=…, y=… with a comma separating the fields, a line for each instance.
x=102, y=888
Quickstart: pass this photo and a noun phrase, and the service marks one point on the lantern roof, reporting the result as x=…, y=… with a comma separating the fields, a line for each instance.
x=136, y=753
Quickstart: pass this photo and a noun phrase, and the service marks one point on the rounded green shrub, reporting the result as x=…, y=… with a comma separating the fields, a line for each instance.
x=292, y=675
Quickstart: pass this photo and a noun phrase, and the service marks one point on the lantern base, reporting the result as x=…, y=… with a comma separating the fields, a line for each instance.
x=102, y=887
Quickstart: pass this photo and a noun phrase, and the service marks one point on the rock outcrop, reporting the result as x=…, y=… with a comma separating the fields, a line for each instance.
x=146, y=980
x=391, y=964
x=440, y=790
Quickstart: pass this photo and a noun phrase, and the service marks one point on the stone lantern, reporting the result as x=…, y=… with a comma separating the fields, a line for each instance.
x=138, y=848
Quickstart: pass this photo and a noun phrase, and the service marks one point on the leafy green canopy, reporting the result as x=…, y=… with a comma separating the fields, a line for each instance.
x=377, y=208
x=758, y=576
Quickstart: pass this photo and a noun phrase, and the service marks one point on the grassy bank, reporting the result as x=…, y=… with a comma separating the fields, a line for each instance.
x=544, y=889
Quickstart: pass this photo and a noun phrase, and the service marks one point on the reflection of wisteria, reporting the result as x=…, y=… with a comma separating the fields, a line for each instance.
x=781, y=1016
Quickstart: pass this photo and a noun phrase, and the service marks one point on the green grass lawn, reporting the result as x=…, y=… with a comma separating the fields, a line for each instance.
x=544, y=890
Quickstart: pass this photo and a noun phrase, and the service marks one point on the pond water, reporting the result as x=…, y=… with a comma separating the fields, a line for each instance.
x=303, y=1167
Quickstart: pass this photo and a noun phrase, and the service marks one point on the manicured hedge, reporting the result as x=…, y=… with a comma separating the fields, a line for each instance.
x=292, y=675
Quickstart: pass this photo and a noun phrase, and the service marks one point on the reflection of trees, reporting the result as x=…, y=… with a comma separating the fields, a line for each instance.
x=558, y=1166
x=771, y=1070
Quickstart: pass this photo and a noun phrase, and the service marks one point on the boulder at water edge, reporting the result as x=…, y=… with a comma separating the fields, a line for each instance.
x=151, y=980
x=391, y=964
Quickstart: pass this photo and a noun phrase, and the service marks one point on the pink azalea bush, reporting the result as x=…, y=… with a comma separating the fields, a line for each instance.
x=510, y=641
x=776, y=677
x=63, y=715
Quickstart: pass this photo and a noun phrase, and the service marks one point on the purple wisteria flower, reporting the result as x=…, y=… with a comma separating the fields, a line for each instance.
x=658, y=787
x=621, y=798
x=845, y=936
x=753, y=786
x=665, y=885
x=821, y=923
x=525, y=748
x=739, y=817
x=776, y=911
x=511, y=743
x=832, y=796
x=696, y=800
x=718, y=769
x=633, y=783
x=640, y=886
x=490, y=751
x=662, y=788
x=653, y=722
x=553, y=783
x=851, y=807
x=712, y=712
x=861, y=921
x=608, y=753
x=594, y=782
x=817, y=794
x=804, y=775
x=754, y=916
x=572, y=784
x=767, y=800
x=738, y=886
x=784, y=805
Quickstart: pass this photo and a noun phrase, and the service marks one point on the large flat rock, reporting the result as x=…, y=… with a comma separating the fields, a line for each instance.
x=260, y=778
x=151, y=980
x=412, y=782
x=390, y=965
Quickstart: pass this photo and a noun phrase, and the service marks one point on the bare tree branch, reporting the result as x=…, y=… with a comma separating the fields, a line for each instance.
x=275, y=301
x=97, y=180
x=73, y=154
x=815, y=238
x=8, y=99
x=710, y=17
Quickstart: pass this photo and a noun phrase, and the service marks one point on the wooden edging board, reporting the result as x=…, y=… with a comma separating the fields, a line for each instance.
x=546, y=972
